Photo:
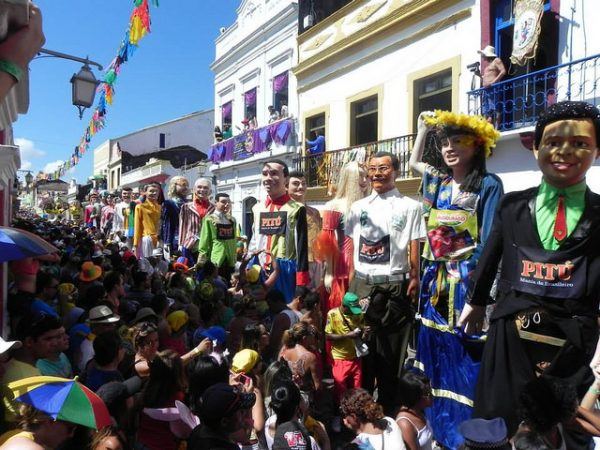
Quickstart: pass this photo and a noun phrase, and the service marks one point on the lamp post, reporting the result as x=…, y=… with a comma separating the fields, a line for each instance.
x=84, y=83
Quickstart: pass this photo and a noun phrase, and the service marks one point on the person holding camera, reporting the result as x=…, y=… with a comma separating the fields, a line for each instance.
x=345, y=330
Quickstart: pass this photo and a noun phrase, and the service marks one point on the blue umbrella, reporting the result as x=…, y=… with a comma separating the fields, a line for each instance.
x=18, y=244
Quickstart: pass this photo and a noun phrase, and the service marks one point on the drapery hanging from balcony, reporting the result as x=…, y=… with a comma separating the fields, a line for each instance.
x=226, y=110
x=280, y=82
x=250, y=98
x=528, y=17
x=246, y=144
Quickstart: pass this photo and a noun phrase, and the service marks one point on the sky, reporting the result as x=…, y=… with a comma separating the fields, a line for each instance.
x=167, y=77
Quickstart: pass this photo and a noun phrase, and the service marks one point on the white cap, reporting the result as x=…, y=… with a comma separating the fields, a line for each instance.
x=7, y=345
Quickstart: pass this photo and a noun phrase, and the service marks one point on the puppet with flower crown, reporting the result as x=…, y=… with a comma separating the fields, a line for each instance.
x=460, y=199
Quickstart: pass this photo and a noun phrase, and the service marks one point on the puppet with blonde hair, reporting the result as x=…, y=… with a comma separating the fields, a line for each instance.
x=332, y=246
x=169, y=229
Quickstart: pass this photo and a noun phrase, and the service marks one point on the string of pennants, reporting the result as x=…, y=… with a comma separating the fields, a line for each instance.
x=139, y=26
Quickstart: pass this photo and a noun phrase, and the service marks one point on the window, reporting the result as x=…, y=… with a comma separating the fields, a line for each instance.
x=226, y=112
x=161, y=140
x=280, y=92
x=118, y=176
x=315, y=126
x=250, y=104
x=432, y=92
x=364, y=121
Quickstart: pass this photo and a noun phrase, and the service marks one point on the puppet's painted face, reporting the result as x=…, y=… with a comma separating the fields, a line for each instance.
x=459, y=150
x=274, y=180
x=202, y=189
x=297, y=188
x=382, y=174
x=152, y=193
x=567, y=150
x=182, y=188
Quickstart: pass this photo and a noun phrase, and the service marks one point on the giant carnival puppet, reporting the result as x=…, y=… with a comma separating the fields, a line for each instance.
x=147, y=221
x=169, y=223
x=191, y=216
x=546, y=242
x=124, y=216
x=332, y=246
x=460, y=199
x=280, y=229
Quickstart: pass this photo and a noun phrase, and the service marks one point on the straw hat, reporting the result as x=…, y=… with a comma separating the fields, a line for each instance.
x=489, y=52
x=90, y=271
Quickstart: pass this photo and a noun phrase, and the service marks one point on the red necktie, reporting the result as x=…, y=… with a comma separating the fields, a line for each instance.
x=560, y=223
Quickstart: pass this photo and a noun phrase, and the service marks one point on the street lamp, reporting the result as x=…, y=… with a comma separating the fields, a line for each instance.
x=28, y=179
x=84, y=85
x=84, y=82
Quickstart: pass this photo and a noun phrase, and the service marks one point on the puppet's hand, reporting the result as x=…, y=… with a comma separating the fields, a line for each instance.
x=471, y=319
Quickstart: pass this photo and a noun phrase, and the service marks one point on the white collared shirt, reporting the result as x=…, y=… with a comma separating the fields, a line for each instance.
x=381, y=228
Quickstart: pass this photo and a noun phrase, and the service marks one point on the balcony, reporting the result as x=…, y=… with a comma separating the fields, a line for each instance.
x=519, y=101
x=154, y=170
x=321, y=171
x=254, y=141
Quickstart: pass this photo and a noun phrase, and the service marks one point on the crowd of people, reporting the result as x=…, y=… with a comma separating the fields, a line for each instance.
x=300, y=338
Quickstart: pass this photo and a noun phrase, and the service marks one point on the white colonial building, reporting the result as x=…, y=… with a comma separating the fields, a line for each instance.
x=253, y=62
x=157, y=152
x=366, y=68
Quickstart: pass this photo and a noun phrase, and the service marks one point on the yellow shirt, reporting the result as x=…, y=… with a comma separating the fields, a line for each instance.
x=15, y=370
x=10, y=435
x=342, y=348
x=147, y=221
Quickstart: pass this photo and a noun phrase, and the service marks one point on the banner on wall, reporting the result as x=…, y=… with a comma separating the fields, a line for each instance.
x=528, y=24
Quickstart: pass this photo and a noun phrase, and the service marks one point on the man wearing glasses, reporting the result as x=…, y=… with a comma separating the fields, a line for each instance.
x=385, y=228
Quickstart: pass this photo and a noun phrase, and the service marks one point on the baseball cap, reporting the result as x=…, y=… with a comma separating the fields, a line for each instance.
x=351, y=301
x=222, y=400
x=7, y=345
x=177, y=320
x=214, y=333
x=244, y=361
x=484, y=433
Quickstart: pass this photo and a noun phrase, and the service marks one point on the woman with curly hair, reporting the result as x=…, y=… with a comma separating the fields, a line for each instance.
x=365, y=417
x=460, y=199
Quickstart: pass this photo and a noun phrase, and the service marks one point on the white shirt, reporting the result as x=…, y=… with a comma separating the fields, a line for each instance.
x=381, y=227
x=119, y=218
x=392, y=438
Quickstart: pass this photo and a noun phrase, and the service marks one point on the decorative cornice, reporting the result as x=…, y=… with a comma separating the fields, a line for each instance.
x=404, y=16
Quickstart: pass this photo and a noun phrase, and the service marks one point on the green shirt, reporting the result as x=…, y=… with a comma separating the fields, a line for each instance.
x=546, y=204
x=213, y=246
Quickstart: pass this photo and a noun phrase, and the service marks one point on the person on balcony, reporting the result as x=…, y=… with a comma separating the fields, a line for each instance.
x=179, y=188
x=332, y=246
x=227, y=133
x=280, y=229
x=384, y=228
x=147, y=221
x=191, y=216
x=273, y=114
x=493, y=72
x=218, y=134
x=297, y=191
x=545, y=242
x=317, y=145
x=218, y=238
x=460, y=201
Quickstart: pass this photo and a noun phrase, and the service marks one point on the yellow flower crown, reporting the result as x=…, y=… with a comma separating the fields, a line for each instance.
x=476, y=125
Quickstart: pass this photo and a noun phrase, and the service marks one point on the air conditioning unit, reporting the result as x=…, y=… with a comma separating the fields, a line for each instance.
x=308, y=21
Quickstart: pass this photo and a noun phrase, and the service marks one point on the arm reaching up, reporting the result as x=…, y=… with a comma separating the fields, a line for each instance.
x=416, y=157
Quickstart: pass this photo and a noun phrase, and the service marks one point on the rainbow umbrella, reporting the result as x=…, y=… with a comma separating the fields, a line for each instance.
x=18, y=244
x=62, y=399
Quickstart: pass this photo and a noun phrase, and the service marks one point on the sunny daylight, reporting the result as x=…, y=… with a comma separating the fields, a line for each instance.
x=299, y=225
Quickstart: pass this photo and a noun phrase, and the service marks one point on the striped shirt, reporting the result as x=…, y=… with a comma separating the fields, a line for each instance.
x=190, y=223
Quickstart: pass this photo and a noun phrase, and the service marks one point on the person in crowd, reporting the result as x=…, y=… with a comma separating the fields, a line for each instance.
x=139, y=294
x=414, y=392
x=280, y=228
x=223, y=411
x=365, y=417
x=344, y=325
x=461, y=188
x=559, y=232
x=256, y=337
x=483, y=433
x=89, y=275
x=297, y=191
x=166, y=384
x=332, y=246
x=114, y=285
x=108, y=438
x=57, y=363
x=243, y=309
x=303, y=363
x=218, y=237
x=101, y=320
x=191, y=216
x=283, y=319
x=147, y=221
x=46, y=298
x=386, y=229
x=103, y=368
x=37, y=431
x=40, y=336
x=171, y=208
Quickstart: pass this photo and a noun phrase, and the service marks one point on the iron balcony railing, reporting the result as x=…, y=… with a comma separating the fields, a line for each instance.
x=516, y=103
x=323, y=170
